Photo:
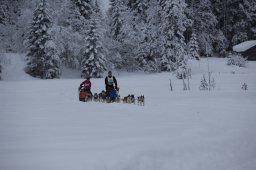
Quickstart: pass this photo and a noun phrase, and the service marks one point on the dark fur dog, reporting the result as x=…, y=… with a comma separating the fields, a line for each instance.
x=141, y=100
x=96, y=97
x=129, y=99
x=102, y=96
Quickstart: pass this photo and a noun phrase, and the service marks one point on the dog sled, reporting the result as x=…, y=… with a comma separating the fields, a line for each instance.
x=84, y=94
x=111, y=96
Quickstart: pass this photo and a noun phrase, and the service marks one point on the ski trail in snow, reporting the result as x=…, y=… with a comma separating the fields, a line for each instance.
x=13, y=67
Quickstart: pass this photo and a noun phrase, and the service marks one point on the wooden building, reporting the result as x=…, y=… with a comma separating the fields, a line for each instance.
x=247, y=49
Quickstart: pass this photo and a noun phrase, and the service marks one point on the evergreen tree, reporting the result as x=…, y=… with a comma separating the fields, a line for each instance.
x=117, y=19
x=237, y=19
x=0, y=71
x=174, y=23
x=84, y=7
x=122, y=36
x=42, y=54
x=93, y=62
x=81, y=12
x=193, y=47
x=4, y=12
x=205, y=22
x=139, y=8
x=9, y=14
x=1, y=57
x=148, y=49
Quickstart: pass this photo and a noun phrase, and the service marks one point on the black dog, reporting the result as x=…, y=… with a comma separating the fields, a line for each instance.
x=141, y=100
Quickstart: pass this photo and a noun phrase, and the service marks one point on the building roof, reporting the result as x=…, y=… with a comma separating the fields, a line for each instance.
x=244, y=46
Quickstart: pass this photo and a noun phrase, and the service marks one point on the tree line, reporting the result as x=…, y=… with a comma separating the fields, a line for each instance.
x=147, y=35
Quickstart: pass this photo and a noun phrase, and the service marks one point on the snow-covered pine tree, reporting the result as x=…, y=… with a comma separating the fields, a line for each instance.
x=205, y=23
x=9, y=14
x=244, y=20
x=181, y=63
x=43, y=58
x=67, y=30
x=117, y=19
x=193, y=47
x=0, y=72
x=237, y=19
x=80, y=13
x=122, y=38
x=0, y=66
x=204, y=84
x=87, y=22
x=139, y=8
x=4, y=12
x=85, y=8
x=93, y=61
x=148, y=49
x=174, y=23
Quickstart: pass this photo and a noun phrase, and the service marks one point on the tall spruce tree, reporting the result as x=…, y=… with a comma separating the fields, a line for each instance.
x=93, y=62
x=85, y=8
x=1, y=66
x=237, y=19
x=9, y=15
x=123, y=38
x=87, y=21
x=81, y=12
x=205, y=23
x=194, y=47
x=174, y=23
x=148, y=49
x=42, y=55
x=139, y=8
x=117, y=18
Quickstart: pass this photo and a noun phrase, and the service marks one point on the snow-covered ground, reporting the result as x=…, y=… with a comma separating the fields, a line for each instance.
x=43, y=126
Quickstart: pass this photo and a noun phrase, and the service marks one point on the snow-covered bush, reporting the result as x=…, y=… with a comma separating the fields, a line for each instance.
x=204, y=84
x=207, y=84
x=244, y=87
x=236, y=59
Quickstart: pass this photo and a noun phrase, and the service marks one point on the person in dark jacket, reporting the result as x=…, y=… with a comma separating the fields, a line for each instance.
x=110, y=82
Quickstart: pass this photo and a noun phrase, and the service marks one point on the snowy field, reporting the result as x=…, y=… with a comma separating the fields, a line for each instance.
x=43, y=126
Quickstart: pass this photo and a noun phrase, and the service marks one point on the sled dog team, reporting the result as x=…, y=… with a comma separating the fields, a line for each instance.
x=109, y=95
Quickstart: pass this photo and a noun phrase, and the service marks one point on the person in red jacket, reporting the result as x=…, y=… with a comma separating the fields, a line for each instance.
x=86, y=84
